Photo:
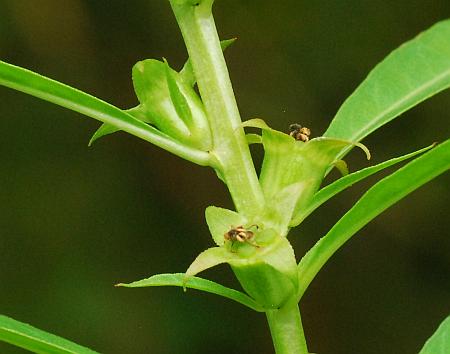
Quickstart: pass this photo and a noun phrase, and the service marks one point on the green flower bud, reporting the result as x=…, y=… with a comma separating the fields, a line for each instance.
x=174, y=107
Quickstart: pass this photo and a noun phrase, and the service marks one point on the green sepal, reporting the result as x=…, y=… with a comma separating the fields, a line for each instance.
x=278, y=213
x=163, y=96
x=150, y=85
x=267, y=271
x=190, y=109
x=347, y=181
x=186, y=75
x=210, y=258
x=220, y=221
x=288, y=162
x=253, y=139
x=342, y=167
x=270, y=276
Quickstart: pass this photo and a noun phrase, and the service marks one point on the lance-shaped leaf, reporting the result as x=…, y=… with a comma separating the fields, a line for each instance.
x=381, y=196
x=178, y=279
x=106, y=129
x=53, y=91
x=439, y=343
x=412, y=73
x=345, y=182
x=35, y=340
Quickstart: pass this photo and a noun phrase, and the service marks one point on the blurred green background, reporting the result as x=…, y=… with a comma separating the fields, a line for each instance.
x=76, y=220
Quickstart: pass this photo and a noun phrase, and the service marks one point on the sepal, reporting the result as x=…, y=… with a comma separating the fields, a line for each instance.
x=268, y=272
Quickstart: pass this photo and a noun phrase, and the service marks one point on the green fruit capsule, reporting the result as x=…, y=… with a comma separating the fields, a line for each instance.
x=174, y=106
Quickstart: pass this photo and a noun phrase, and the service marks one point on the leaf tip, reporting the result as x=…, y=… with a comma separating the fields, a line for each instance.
x=365, y=149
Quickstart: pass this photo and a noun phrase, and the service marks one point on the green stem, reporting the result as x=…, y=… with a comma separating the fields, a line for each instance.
x=286, y=329
x=230, y=147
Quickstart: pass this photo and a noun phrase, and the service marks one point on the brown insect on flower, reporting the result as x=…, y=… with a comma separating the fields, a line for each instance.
x=241, y=234
x=299, y=133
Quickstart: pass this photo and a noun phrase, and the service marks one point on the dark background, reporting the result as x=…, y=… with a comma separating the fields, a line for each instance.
x=76, y=220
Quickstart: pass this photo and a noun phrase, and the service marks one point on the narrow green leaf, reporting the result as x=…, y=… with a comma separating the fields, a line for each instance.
x=381, y=196
x=187, y=73
x=178, y=279
x=221, y=220
x=50, y=90
x=347, y=181
x=412, y=73
x=35, y=340
x=106, y=129
x=439, y=342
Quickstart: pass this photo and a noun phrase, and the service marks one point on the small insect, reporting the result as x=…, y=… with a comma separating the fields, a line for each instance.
x=241, y=234
x=299, y=133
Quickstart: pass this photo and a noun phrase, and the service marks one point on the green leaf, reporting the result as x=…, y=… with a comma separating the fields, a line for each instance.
x=50, y=90
x=187, y=73
x=345, y=182
x=381, y=196
x=220, y=221
x=412, y=73
x=178, y=279
x=35, y=340
x=106, y=129
x=439, y=343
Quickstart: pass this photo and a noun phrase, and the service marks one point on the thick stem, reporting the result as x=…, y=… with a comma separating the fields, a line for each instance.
x=287, y=330
x=230, y=147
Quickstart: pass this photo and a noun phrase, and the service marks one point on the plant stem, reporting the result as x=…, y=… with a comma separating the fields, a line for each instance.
x=230, y=147
x=286, y=329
